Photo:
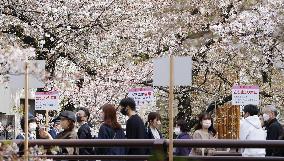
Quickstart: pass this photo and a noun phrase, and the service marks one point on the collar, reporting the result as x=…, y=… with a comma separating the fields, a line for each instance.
x=272, y=121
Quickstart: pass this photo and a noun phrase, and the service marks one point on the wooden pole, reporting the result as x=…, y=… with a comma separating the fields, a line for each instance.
x=171, y=98
x=26, y=146
x=46, y=118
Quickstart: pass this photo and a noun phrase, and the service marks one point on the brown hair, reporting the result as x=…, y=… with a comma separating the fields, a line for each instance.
x=202, y=116
x=110, y=116
x=153, y=115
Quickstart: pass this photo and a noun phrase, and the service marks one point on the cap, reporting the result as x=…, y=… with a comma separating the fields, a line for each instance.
x=66, y=114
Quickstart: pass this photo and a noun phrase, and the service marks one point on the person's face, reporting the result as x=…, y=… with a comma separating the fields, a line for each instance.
x=155, y=123
x=124, y=110
x=81, y=114
x=269, y=113
x=64, y=123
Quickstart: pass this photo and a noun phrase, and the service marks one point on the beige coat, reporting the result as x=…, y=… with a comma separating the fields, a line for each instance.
x=204, y=135
x=68, y=135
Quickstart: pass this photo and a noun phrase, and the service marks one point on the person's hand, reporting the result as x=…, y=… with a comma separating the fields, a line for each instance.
x=44, y=134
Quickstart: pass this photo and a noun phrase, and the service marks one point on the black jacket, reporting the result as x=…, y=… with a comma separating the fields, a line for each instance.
x=149, y=135
x=274, y=131
x=135, y=129
x=107, y=132
x=84, y=132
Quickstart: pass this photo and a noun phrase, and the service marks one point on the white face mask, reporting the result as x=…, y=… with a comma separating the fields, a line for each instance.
x=177, y=131
x=265, y=117
x=206, y=124
x=32, y=127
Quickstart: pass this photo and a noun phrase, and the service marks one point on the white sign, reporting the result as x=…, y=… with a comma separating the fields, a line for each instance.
x=47, y=100
x=244, y=95
x=36, y=73
x=142, y=96
x=182, y=71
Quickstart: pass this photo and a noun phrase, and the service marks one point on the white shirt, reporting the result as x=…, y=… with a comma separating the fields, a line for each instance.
x=155, y=133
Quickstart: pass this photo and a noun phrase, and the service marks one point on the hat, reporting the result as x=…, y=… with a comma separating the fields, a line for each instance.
x=66, y=114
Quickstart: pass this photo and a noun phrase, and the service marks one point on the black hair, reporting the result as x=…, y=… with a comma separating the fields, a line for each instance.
x=86, y=110
x=128, y=102
x=151, y=117
x=183, y=125
x=251, y=109
x=22, y=122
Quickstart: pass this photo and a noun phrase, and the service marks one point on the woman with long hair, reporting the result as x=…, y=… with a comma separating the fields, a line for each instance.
x=204, y=130
x=110, y=129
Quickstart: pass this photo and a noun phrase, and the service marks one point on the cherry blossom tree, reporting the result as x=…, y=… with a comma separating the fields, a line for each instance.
x=96, y=50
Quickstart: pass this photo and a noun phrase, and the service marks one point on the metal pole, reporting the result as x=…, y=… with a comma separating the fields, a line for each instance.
x=171, y=98
x=26, y=113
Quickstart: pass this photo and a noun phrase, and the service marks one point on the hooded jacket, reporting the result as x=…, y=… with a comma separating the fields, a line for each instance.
x=251, y=130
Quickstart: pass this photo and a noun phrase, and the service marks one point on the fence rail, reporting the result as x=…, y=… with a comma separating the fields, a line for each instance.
x=157, y=145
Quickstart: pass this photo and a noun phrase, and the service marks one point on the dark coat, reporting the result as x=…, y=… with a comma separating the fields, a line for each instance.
x=135, y=129
x=84, y=132
x=274, y=131
x=107, y=132
x=183, y=151
x=149, y=134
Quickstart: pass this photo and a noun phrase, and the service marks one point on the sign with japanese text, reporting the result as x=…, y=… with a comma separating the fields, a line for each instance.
x=142, y=96
x=244, y=95
x=47, y=100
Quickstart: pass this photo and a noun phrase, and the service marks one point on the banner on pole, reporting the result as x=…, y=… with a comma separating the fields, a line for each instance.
x=36, y=73
x=47, y=100
x=244, y=95
x=182, y=71
x=142, y=96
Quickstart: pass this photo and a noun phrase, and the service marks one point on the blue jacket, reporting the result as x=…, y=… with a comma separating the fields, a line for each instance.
x=183, y=151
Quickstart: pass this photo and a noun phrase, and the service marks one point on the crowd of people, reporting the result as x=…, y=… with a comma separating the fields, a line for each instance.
x=253, y=127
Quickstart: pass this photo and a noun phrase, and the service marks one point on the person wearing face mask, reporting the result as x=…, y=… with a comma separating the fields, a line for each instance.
x=251, y=129
x=135, y=128
x=32, y=126
x=84, y=131
x=204, y=130
x=181, y=131
x=273, y=127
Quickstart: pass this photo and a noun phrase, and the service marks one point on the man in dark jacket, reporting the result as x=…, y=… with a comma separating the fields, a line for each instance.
x=84, y=132
x=135, y=128
x=273, y=127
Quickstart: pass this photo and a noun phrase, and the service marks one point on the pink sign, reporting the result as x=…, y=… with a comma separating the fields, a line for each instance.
x=142, y=96
x=47, y=100
x=244, y=95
